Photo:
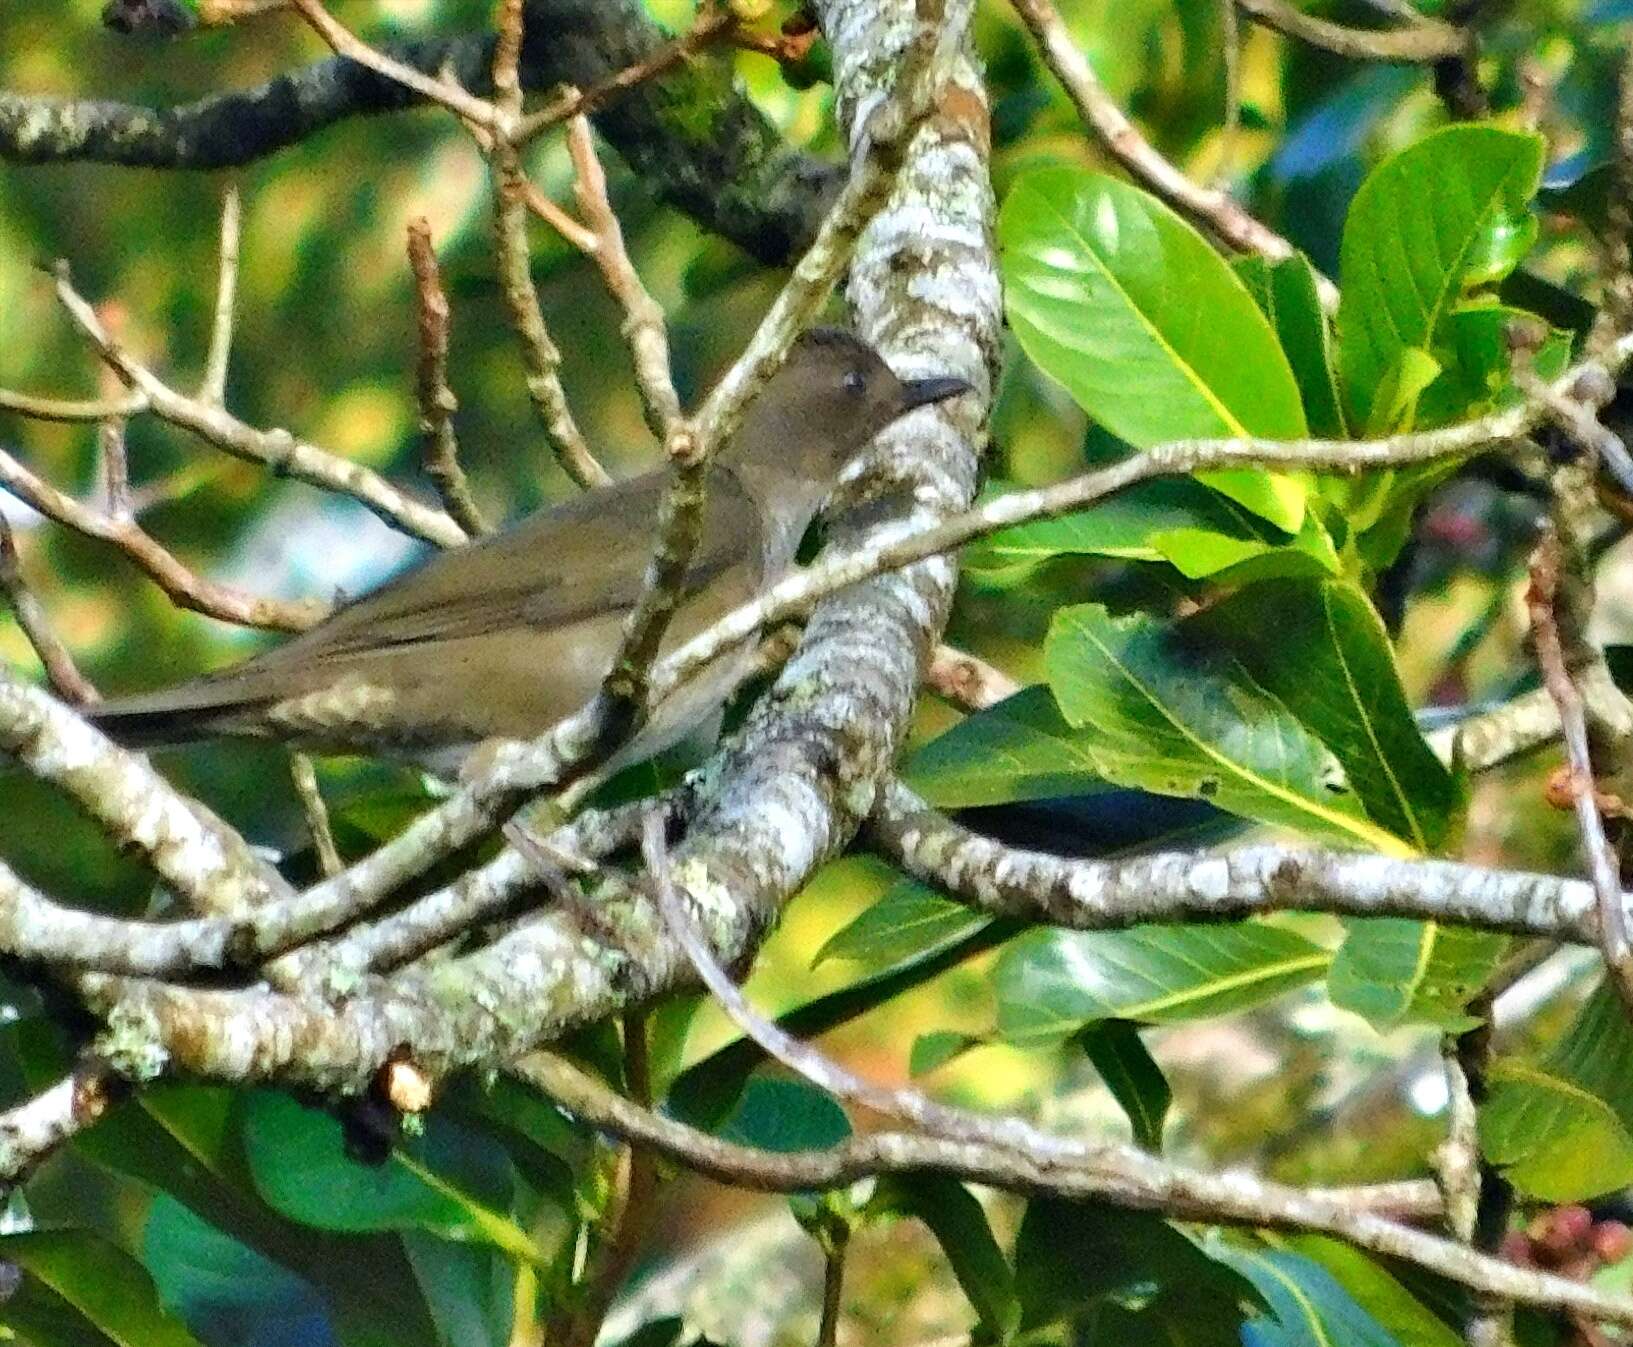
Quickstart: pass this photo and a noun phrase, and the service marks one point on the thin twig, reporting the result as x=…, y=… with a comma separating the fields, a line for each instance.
x=71, y=409
x=37, y=1127
x=835, y=1243
x=540, y=356
x=440, y=451
x=1556, y=677
x=1123, y=141
x=305, y=777
x=1424, y=42
x=182, y=585
x=276, y=449
x=71, y=685
x=213, y=387
x=1120, y=1175
x=713, y=22
x=343, y=42
x=643, y=327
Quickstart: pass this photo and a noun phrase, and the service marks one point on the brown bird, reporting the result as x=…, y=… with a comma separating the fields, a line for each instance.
x=505, y=636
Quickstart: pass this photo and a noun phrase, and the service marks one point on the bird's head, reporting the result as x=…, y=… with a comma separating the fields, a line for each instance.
x=830, y=397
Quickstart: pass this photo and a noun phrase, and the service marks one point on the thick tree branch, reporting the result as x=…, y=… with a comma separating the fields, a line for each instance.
x=690, y=134
x=1218, y=886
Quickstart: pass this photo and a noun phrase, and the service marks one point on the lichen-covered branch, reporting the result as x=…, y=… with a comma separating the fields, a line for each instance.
x=695, y=139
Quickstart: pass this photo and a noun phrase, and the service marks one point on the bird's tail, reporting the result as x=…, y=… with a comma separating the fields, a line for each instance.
x=166, y=719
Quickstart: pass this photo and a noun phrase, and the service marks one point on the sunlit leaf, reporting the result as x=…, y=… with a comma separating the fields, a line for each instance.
x=1172, y=714
x=1133, y=311
x=1050, y=983
x=1441, y=215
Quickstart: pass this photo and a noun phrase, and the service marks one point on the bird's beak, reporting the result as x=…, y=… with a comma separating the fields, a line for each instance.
x=922, y=392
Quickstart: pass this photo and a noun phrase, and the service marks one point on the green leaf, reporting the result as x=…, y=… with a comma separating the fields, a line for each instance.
x=1050, y=983
x=1391, y=970
x=1477, y=373
x=1308, y=1306
x=909, y=919
x=785, y=1116
x=1020, y=749
x=1132, y=1075
x=960, y=1226
x=1429, y=222
x=204, y=1275
x=182, y=1139
x=1072, y=1254
x=1177, y=520
x=1173, y=714
x=1286, y=294
x=1332, y=666
x=1124, y=303
x=78, y=1290
x=936, y=1049
x=299, y=1160
x=1562, y=1129
x=1396, y=1310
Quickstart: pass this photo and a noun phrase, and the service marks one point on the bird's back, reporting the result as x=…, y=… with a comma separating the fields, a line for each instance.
x=501, y=637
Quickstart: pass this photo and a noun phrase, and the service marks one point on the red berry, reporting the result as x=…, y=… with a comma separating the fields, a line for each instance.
x=1612, y=1241
x=1516, y=1249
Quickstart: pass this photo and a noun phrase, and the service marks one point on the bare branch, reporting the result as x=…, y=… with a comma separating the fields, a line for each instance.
x=1172, y=886
x=305, y=778
x=276, y=449
x=70, y=684
x=205, y=861
x=1212, y=208
x=437, y=401
x=1556, y=677
x=213, y=388
x=34, y=1129
x=183, y=586
x=69, y=409
x=343, y=42
x=540, y=356
x=1423, y=42
x=1120, y=1175
x=644, y=328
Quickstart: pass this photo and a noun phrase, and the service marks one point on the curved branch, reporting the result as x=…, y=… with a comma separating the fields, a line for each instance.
x=1421, y=43
x=1098, y=895
x=691, y=134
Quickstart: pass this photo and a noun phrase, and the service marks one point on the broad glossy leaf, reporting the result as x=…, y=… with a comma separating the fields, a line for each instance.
x=210, y=1279
x=1172, y=713
x=1177, y=520
x=908, y=919
x=1050, y=983
x=960, y=1226
x=182, y=1140
x=1286, y=293
x=1020, y=749
x=451, y=1181
x=1070, y=1254
x=78, y=1290
x=1396, y=1310
x=786, y=1115
x=1129, y=307
x=1307, y=1305
x=1132, y=1075
x=1391, y=970
x=1429, y=222
x=1562, y=1129
x=1332, y=666
x=469, y=1288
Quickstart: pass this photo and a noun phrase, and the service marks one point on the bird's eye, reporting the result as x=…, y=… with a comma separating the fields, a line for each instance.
x=853, y=381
